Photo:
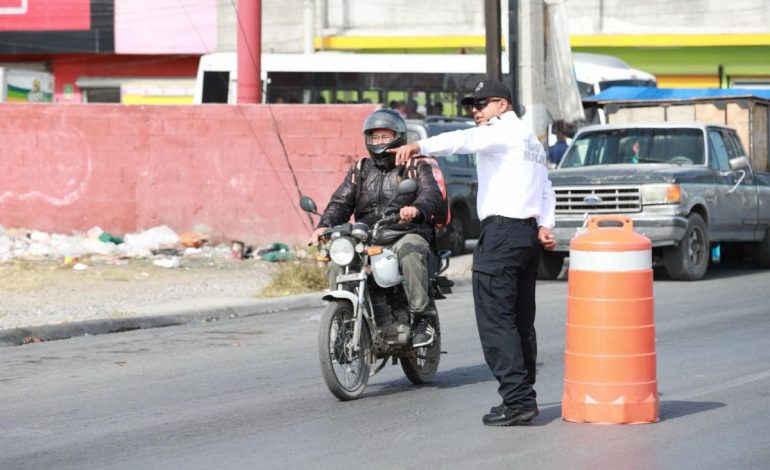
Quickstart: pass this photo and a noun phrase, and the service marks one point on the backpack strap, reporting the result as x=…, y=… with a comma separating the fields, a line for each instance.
x=355, y=177
x=411, y=168
x=358, y=176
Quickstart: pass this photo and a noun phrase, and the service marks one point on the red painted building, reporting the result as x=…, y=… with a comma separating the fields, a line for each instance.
x=130, y=51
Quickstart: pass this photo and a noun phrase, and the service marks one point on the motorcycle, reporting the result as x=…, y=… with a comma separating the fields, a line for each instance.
x=367, y=317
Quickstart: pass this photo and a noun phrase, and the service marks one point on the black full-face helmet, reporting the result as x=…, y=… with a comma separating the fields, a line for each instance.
x=384, y=119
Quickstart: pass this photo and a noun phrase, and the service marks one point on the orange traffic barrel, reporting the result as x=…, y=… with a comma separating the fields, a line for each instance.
x=609, y=359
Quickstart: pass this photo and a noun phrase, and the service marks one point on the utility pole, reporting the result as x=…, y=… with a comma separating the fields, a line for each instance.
x=513, y=54
x=249, y=46
x=530, y=68
x=492, y=26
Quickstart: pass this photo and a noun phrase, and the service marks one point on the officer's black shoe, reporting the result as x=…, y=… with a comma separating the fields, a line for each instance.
x=424, y=332
x=497, y=409
x=505, y=416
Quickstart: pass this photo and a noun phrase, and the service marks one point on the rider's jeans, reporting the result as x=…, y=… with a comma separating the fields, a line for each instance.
x=412, y=251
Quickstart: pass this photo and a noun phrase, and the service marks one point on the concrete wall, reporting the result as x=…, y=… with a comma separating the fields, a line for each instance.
x=126, y=169
x=283, y=27
x=669, y=17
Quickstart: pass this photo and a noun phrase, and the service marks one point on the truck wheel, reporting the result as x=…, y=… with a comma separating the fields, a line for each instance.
x=550, y=265
x=762, y=252
x=689, y=260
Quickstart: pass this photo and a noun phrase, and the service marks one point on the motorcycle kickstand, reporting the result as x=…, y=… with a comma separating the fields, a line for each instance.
x=379, y=367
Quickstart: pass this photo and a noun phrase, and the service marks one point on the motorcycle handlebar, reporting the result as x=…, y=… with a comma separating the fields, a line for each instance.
x=387, y=220
x=391, y=218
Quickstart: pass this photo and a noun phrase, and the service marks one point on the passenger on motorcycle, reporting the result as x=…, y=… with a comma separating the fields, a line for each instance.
x=367, y=188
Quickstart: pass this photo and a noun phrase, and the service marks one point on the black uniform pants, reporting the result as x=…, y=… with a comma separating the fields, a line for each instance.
x=504, y=271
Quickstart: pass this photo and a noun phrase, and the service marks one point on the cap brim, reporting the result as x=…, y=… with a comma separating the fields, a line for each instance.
x=467, y=101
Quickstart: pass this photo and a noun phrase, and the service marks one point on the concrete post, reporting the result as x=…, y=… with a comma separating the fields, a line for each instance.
x=532, y=65
x=309, y=20
x=249, y=51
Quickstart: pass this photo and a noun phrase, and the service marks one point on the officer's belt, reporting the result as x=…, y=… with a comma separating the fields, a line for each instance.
x=502, y=220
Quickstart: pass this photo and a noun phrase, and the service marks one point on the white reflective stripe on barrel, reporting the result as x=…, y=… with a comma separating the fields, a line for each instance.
x=610, y=261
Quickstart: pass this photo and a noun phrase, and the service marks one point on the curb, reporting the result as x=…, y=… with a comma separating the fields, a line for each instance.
x=164, y=316
x=168, y=315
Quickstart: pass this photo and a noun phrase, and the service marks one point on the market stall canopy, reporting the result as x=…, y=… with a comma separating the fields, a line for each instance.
x=562, y=96
x=629, y=94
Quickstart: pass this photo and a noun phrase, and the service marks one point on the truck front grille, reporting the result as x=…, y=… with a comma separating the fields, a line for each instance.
x=598, y=199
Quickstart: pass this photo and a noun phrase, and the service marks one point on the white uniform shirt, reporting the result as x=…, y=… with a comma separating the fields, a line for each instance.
x=513, y=177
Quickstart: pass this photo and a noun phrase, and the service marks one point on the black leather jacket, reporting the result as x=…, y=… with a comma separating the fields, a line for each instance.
x=377, y=188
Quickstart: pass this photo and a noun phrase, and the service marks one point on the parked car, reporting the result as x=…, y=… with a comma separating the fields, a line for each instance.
x=461, y=181
x=686, y=187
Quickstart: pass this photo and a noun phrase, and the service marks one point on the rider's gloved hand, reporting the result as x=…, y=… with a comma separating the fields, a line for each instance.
x=316, y=235
x=409, y=214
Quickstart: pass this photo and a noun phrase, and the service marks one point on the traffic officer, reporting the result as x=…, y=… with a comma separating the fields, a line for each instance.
x=515, y=204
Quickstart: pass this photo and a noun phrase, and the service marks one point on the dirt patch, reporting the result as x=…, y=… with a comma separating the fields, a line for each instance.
x=48, y=292
x=296, y=277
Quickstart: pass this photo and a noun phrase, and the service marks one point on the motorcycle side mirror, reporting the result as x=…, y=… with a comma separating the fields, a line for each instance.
x=407, y=186
x=308, y=204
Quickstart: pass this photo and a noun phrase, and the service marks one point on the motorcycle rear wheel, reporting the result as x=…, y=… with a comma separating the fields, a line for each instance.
x=421, y=366
x=345, y=375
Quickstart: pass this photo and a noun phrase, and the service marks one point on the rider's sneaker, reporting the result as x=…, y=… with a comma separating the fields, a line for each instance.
x=424, y=332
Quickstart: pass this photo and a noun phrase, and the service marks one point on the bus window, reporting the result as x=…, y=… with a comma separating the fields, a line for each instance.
x=215, y=86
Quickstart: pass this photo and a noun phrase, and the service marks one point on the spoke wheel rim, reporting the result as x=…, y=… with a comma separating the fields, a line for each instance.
x=421, y=357
x=348, y=370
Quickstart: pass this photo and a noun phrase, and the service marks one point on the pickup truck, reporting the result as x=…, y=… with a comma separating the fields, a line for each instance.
x=688, y=188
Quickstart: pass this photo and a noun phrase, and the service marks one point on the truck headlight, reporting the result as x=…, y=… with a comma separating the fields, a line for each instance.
x=342, y=251
x=661, y=194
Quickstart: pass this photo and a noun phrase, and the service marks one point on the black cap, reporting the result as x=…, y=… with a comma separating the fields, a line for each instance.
x=487, y=89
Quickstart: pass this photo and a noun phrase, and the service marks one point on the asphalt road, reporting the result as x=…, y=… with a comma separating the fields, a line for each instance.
x=249, y=394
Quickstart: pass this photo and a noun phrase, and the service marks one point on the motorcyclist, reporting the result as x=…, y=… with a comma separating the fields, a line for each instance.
x=366, y=190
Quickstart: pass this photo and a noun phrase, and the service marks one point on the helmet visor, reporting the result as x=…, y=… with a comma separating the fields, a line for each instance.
x=379, y=136
x=384, y=119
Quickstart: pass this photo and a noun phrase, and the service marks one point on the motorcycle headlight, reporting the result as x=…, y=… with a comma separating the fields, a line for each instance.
x=342, y=251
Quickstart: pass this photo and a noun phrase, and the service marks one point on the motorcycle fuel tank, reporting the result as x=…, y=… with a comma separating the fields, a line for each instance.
x=385, y=269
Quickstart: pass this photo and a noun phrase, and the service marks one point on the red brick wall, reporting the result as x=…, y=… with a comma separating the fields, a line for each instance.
x=71, y=167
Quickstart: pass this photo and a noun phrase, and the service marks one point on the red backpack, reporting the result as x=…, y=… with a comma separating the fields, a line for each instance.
x=443, y=215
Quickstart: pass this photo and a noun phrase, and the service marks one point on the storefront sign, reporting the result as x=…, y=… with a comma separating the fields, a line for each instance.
x=61, y=26
x=45, y=15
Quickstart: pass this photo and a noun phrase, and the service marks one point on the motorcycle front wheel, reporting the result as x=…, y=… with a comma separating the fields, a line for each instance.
x=420, y=367
x=346, y=372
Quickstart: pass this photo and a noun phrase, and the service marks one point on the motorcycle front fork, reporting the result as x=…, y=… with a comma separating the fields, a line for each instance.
x=359, y=314
x=354, y=346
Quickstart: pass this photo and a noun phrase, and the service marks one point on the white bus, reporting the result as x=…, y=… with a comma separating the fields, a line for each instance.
x=339, y=77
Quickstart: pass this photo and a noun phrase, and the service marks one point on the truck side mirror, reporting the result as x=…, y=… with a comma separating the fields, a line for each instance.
x=739, y=163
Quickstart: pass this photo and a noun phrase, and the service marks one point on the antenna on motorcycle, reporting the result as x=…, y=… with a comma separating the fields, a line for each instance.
x=307, y=204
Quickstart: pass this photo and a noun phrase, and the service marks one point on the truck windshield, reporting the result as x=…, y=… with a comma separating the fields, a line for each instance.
x=678, y=146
